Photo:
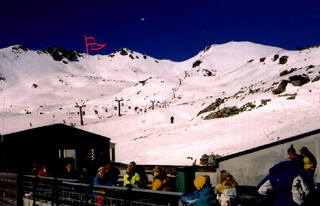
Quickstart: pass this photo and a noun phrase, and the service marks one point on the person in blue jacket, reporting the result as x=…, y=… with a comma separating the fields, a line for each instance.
x=286, y=185
x=99, y=180
x=203, y=196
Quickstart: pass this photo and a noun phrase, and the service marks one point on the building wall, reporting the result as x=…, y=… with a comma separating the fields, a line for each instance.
x=250, y=168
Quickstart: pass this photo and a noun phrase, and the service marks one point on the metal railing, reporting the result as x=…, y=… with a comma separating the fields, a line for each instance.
x=48, y=191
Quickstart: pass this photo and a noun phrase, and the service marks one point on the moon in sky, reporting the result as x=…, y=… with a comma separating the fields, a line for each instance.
x=142, y=19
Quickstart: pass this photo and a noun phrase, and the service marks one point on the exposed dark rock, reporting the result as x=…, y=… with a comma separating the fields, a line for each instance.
x=143, y=82
x=225, y=112
x=317, y=78
x=299, y=80
x=208, y=73
x=196, y=63
x=212, y=106
x=209, y=160
x=56, y=56
x=265, y=101
x=283, y=59
x=2, y=78
x=310, y=67
x=285, y=72
x=59, y=53
x=287, y=95
x=275, y=57
x=69, y=54
x=207, y=48
x=123, y=52
x=281, y=88
x=262, y=59
x=19, y=47
x=247, y=106
x=239, y=92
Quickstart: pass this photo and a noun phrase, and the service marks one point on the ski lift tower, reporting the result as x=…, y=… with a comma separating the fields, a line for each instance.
x=119, y=100
x=80, y=107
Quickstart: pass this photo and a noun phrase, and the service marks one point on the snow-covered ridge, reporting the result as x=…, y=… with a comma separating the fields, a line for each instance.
x=37, y=90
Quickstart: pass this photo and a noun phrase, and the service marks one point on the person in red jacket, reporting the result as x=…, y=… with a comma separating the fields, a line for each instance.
x=43, y=172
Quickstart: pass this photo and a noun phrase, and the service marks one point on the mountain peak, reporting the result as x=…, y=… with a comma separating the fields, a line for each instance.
x=252, y=84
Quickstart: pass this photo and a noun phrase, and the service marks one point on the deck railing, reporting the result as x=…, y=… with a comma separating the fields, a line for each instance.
x=45, y=191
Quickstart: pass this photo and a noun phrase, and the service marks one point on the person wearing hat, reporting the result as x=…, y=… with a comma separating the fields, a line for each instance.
x=203, y=196
x=296, y=158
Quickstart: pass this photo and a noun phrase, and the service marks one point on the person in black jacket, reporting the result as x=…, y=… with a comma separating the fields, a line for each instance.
x=138, y=169
x=112, y=175
x=69, y=172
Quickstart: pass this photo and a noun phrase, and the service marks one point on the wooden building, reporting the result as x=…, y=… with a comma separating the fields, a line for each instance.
x=54, y=146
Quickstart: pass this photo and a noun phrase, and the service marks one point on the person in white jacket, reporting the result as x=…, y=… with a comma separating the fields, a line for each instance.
x=226, y=189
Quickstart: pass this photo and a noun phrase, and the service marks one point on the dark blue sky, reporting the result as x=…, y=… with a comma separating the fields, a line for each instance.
x=164, y=29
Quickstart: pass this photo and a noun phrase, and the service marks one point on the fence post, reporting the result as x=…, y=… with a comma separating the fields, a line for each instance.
x=55, y=192
x=34, y=190
x=126, y=195
x=88, y=189
x=19, y=186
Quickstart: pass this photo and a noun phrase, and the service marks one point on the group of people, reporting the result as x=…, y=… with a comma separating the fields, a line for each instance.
x=290, y=182
x=135, y=177
x=221, y=195
x=82, y=175
x=43, y=172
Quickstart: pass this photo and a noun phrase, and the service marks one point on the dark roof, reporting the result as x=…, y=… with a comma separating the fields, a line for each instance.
x=56, y=135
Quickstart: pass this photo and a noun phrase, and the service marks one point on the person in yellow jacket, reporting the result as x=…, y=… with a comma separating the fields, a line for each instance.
x=226, y=188
x=131, y=178
x=160, y=180
x=309, y=162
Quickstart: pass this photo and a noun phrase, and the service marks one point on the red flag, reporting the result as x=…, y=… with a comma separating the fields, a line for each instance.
x=98, y=46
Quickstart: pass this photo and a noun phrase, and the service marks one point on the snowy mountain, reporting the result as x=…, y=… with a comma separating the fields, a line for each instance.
x=264, y=94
